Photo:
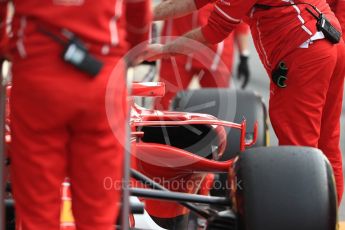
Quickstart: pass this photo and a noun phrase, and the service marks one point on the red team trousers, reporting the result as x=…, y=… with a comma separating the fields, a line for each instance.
x=60, y=129
x=306, y=112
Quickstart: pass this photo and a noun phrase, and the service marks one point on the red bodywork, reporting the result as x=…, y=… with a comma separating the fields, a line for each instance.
x=177, y=169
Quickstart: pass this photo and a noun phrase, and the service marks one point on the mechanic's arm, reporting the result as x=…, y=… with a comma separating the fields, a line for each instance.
x=242, y=41
x=242, y=38
x=138, y=21
x=177, y=8
x=226, y=15
x=340, y=14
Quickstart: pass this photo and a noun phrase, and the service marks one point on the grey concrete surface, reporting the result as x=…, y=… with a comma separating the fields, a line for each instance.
x=260, y=82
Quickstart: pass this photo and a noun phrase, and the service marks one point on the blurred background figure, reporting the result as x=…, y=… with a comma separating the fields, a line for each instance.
x=178, y=73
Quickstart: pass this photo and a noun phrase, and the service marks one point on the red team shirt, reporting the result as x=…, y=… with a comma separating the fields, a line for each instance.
x=107, y=26
x=182, y=25
x=274, y=41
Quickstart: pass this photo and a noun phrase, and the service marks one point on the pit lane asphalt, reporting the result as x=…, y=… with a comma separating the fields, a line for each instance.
x=260, y=82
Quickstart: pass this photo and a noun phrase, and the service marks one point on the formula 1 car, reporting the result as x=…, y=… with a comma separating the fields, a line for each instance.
x=267, y=188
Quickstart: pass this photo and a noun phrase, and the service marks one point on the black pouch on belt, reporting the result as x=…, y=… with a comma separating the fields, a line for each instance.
x=76, y=54
x=279, y=75
x=325, y=26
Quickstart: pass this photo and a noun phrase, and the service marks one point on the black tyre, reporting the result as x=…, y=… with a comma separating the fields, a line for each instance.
x=10, y=215
x=285, y=188
x=229, y=105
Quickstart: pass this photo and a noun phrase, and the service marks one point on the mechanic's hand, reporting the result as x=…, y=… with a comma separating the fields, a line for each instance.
x=152, y=53
x=243, y=71
x=2, y=61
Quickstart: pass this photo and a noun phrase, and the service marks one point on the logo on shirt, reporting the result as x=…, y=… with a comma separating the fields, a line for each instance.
x=69, y=2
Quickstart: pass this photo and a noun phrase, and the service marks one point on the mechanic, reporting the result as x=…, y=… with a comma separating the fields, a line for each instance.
x=188, y=67
x=338, y=7
x=58, y=116
x=306, y=65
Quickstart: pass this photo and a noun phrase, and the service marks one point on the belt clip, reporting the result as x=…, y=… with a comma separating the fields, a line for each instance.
x=279, y=75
